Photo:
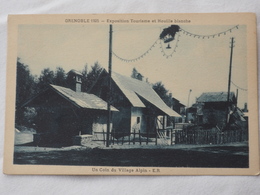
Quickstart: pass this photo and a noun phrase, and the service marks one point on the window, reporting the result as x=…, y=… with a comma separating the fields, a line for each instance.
x=138, y=120
x=78, y=79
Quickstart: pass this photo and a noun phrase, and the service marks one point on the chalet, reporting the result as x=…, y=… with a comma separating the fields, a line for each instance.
x=213, y=109
x=137, y=102
x=66, y=114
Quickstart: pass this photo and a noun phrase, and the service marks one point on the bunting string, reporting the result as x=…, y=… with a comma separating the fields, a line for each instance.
x=139, y=57
x=243, y=89
x=174, y=49
x=176, y=45
x=208, y=36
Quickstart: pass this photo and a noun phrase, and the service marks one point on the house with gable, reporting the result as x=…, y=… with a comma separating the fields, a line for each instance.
x=67, y=115
x=212, y=107
x=138, y=104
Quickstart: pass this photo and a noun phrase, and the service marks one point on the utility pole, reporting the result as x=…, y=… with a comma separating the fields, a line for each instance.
x=189, y=98
x=236, y=97
x=109, y=84
x=229, y=76
x=188, y=106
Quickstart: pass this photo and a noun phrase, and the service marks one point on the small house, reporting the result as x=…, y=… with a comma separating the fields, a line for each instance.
x=65, y=113
x=212, y=107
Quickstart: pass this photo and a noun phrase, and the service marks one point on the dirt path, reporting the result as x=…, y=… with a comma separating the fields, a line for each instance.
x=228, y=155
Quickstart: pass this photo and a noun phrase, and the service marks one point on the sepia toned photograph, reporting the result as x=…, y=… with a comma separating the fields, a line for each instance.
x=160, y=94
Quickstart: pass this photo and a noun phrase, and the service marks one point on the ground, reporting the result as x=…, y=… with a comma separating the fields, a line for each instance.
x=233, y=155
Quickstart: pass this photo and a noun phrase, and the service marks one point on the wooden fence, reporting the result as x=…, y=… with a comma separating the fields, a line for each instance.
x=135, y=137
x=171, y=137
x=211, y=136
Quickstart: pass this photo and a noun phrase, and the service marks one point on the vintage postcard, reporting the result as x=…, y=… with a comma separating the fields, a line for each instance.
x=132, y=94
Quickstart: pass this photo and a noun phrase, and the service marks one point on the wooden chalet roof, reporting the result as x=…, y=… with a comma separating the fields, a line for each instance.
x=133, y=89
x=81, y=99
x=78, y=99
x=216, y=97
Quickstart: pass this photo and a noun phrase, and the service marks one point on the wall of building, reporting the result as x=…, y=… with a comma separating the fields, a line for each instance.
x=214, y=117
x=137, y=120
x=99, y=126
x=121, y=120
x=61, y=119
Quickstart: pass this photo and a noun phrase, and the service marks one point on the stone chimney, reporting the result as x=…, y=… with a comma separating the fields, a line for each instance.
x=74, y=80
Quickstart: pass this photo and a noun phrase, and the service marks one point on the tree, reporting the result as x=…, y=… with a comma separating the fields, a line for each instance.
x=25, y=83
x=46, y=78
x=25, y=88
x=162, y=92
x=60, y=77
x=84, y=72
x=90, y=77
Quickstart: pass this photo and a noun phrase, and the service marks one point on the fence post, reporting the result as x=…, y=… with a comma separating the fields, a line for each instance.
x=155, y=137
x=129, y=137
x=238, y=136
x=176, y=136
x=186, y=134
x=123, y=138
x=140, y=137
x=193, y=136
x=206, y=137
x=104, y=139
x=198, y=137
x=171, y=137
x=147, y=134
x=134, y=137
x=113, y=137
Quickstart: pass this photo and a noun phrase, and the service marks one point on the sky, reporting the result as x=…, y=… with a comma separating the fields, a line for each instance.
x=198, y=64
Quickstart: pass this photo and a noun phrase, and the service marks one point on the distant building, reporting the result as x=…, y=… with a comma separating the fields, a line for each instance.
x=191, y=114
x=179, y=108
x=212, y=108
